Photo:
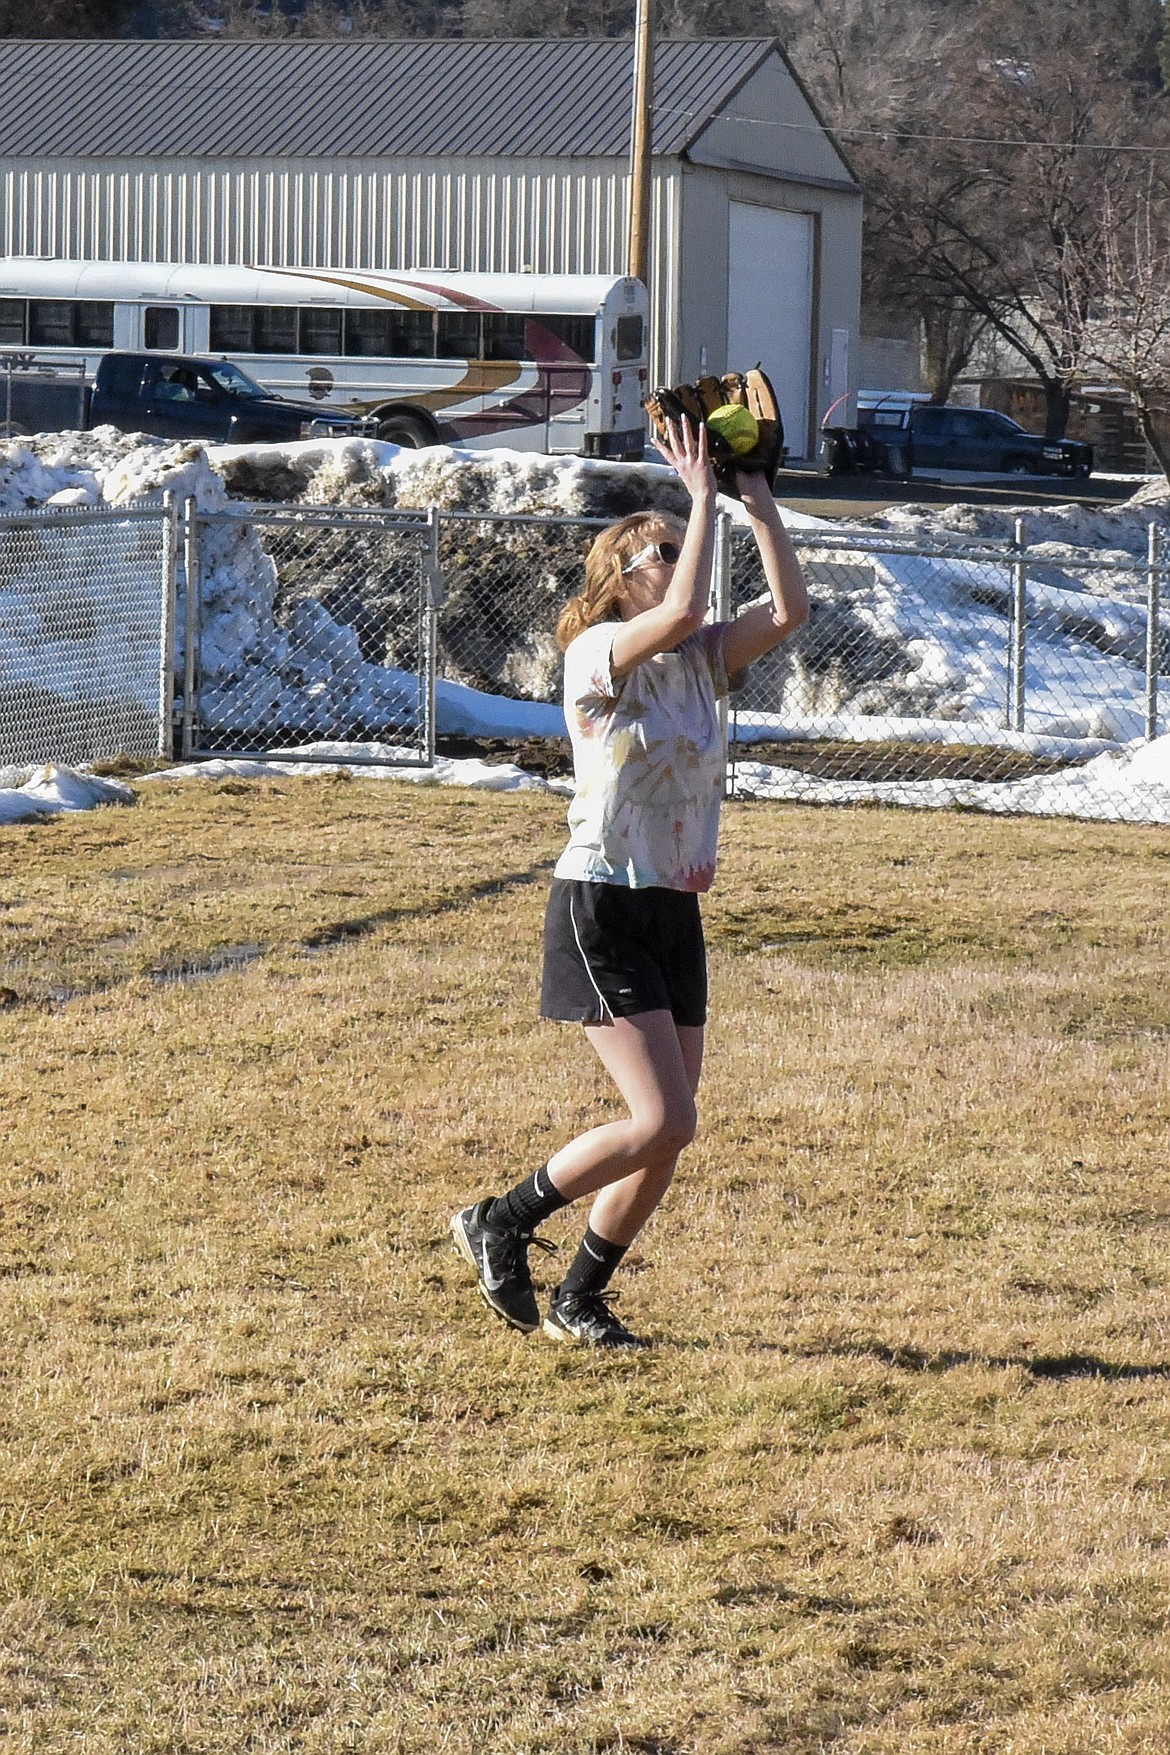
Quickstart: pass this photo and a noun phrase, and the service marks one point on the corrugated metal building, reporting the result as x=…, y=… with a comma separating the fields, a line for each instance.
x=497, y=155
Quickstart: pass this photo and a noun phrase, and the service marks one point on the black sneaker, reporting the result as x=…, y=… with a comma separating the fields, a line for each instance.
x=500, y=1260
x=586, y=1317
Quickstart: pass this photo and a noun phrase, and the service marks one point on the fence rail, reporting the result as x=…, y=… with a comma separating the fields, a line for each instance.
x=927, y=669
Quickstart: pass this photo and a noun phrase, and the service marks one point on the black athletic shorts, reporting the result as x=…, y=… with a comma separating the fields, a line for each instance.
x=610, y=952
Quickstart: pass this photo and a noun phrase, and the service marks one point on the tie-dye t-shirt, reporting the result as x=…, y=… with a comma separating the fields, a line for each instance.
x=649, y=762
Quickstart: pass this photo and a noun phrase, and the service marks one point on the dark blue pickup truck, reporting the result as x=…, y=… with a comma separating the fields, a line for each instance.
x=175, y=396
x=899, y=437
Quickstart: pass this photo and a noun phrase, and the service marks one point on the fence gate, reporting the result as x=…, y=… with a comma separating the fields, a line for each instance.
x=308, y=629
x=86, y=603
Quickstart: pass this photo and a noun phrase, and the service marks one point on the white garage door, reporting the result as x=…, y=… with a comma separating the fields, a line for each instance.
x=769, y=312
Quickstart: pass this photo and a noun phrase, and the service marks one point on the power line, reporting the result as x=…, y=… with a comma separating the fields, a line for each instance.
x=903, y=134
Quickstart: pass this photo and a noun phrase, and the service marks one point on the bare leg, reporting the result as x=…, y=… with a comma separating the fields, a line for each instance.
x=655, y=1064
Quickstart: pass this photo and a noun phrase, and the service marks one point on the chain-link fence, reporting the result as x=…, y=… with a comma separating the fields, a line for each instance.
x=993, y=676
x=990, y=676
x=86, y=599
x=307, y=630
x=928, y=673
x=507, y=580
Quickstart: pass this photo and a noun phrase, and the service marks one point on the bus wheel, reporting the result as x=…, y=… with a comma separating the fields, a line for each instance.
x=406, y=430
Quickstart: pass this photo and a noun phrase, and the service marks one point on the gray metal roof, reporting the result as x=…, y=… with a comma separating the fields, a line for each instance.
x=356, y=99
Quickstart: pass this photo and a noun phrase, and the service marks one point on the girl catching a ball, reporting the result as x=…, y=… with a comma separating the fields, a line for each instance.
x=623, y=939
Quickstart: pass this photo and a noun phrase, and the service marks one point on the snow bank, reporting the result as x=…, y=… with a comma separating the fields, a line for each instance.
x=1132, y=786
x=49, y=790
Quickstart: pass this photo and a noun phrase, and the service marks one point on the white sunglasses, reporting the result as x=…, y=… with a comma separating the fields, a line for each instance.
x=667, y=552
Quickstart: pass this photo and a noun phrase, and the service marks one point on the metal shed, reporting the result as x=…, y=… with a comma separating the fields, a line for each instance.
x=496, y=155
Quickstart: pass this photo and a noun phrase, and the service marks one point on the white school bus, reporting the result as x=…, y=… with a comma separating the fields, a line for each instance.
x=538, y=362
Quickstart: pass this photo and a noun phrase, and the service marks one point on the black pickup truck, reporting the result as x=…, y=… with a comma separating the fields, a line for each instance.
x=175, y=396
x=898, y=440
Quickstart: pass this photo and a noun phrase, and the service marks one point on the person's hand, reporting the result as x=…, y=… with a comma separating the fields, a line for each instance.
x=686, y=452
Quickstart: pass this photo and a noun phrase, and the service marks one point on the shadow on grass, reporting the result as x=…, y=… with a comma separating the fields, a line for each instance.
x=226, y=959
x=338, y=932
x=1042, y=1366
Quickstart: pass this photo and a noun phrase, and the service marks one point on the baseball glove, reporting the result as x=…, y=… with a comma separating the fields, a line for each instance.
x=744, y=431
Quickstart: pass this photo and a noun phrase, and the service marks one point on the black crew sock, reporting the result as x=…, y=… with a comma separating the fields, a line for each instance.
x=527, y=1205
x=593, y=1265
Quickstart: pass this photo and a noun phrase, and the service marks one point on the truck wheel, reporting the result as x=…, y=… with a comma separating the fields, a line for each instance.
x=1020, y=466
x=408, y=430
x=1083, y=470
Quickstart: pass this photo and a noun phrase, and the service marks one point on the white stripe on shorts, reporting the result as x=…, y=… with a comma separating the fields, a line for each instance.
x=585, y=960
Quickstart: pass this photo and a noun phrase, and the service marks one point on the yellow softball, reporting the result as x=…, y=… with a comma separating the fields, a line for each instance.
x=737, y=425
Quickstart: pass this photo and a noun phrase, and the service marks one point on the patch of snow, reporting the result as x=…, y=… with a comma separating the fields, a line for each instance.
x=1132, y=786
x=330, y=758
x=48, y=790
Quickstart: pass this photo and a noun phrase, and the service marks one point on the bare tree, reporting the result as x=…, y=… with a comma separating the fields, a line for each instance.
x=547, y=18
x=64, y=18
x=986, y=174
x=1127, y=339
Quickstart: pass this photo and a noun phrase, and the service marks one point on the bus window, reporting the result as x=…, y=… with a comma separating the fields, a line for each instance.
x=11, y=322
x=50, y=322
x=458, y=335
x=413, y=335
x=231, y=329
x=93, y=323
x=160, y=327
x=629, y=338
x=69, y=323
x=504, y=336
x=367, y=333
x=320, y=331
x=275, y=329
x=391, y=333
x=579, y=334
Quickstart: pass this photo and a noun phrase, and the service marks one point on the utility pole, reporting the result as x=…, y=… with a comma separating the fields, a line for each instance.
x=641, y=143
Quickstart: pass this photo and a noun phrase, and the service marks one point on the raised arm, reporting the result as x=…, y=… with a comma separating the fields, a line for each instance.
x=665, y=604
x=764, y=625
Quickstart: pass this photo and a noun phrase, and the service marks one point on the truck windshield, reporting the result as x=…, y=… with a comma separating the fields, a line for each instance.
x=231, y=379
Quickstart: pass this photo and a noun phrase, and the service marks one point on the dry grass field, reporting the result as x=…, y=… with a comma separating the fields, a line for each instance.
x=893, y=1479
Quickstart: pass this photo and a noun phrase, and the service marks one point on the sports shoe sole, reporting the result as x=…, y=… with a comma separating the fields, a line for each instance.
x=557, y=1333
x=460, y=1239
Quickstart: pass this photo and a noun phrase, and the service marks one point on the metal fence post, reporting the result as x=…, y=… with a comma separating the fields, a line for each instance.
x=721, y=608
x=436, y=596
x=170, y=581
x=191, y=622
x=1017, y=657
x=1153, y=627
